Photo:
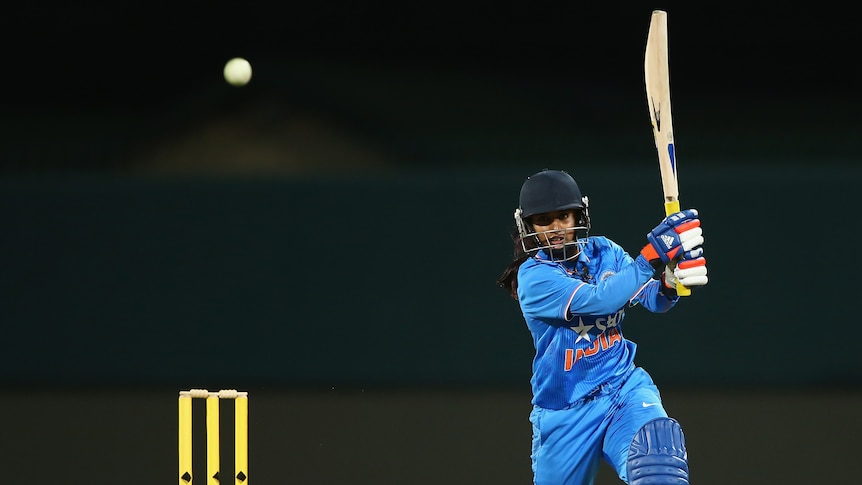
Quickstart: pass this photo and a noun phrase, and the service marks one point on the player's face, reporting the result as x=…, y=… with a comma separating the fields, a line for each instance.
x=555, y=228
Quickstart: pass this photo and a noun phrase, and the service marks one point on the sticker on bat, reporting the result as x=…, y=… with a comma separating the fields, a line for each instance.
x=670, y=153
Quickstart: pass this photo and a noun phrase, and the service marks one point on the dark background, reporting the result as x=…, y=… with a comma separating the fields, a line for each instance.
x=327, y=237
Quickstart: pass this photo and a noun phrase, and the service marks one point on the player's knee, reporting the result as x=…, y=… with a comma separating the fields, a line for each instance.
x=657, y=454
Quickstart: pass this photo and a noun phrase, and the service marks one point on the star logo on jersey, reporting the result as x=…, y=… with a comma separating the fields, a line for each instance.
x=582, y=330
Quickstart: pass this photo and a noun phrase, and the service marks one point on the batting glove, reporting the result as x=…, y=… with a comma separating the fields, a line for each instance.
x=673, y=239
x=690, y=272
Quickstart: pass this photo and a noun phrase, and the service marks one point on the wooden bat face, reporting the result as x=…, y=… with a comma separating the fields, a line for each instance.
x=657, y=80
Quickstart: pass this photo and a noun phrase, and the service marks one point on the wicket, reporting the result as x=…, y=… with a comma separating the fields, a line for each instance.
x=212, y=432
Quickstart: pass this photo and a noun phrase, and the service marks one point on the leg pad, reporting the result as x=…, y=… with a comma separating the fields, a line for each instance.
x=657, y=454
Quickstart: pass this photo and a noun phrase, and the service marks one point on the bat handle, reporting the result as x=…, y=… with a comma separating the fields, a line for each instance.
x=672, y=207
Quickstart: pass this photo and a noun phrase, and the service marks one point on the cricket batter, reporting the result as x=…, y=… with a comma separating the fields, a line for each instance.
x=590, y=400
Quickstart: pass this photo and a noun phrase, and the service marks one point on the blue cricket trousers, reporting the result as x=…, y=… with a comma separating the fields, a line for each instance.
x=568, y=443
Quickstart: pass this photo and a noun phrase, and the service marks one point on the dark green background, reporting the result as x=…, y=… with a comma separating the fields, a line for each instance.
x=390, y=280
x=362, y=316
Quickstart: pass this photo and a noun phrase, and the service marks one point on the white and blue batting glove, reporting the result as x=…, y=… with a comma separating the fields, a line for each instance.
x=674, y=238
x=690, y=271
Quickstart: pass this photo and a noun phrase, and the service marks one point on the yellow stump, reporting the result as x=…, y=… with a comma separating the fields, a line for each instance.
x=185, y=441
x=212, y=439
x=241, y=446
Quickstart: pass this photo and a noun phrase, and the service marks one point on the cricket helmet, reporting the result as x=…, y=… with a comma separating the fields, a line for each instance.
x=549, y=191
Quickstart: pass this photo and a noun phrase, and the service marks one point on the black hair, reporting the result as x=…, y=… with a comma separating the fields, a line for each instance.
x=509, y=279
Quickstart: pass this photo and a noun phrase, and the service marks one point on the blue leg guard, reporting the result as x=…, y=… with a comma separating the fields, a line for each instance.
x=657, y=455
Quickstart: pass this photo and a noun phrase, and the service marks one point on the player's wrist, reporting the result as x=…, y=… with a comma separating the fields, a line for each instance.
x=649, y=252
x=653, y=268
x=650, y=258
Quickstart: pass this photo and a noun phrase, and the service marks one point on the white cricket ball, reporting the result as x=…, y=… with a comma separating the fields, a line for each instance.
x=237, y=71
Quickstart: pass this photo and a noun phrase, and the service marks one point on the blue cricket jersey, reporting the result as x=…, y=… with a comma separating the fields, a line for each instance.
x=576, y=316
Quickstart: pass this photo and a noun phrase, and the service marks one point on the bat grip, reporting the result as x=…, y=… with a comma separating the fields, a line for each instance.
x=671, y=208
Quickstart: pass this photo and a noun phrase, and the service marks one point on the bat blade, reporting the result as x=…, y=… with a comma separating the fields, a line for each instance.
x=657, y=81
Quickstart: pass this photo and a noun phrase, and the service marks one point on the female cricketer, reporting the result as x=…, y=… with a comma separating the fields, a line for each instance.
x=590, y=400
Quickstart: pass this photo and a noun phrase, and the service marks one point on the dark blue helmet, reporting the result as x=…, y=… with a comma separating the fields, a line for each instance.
x=549, y=191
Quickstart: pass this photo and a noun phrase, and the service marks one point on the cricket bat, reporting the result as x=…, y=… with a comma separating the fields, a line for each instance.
x=657, y=80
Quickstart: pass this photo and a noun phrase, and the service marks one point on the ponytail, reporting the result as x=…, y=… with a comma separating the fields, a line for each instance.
x=509, y=279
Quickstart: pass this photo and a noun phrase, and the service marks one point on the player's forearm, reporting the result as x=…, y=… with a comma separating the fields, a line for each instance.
x=654, y=299
x=612, y=293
